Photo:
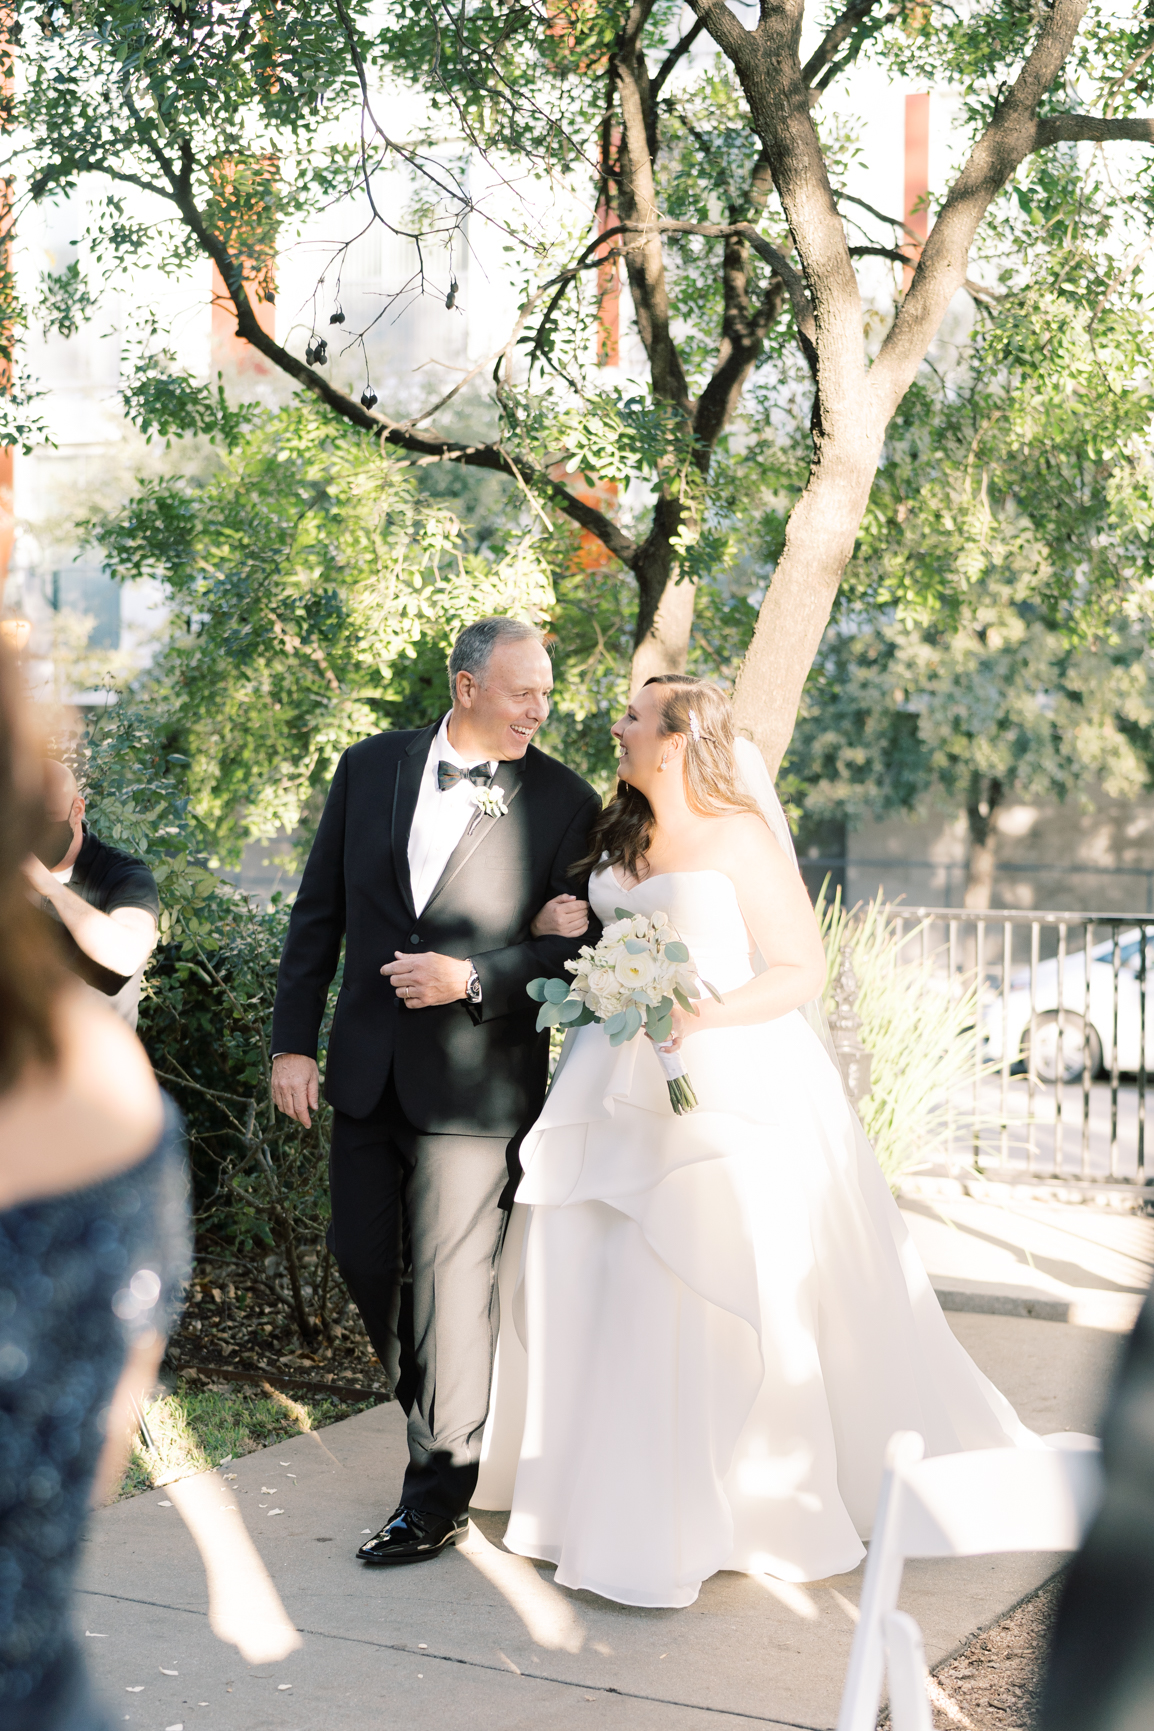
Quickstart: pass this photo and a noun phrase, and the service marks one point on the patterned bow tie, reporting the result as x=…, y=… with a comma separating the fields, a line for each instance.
x=448, y=774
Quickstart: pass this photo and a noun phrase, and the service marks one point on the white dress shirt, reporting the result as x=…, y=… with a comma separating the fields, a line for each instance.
x=440, y=819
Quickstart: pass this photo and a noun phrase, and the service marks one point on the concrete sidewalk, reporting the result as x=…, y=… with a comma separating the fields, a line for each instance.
x=484, y=1640
x=987, y=1248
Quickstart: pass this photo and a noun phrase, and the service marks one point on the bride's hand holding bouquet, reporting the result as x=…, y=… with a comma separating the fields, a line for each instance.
x=632, y=980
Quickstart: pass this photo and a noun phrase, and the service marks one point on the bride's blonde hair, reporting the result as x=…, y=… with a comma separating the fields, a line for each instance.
x=703, y=713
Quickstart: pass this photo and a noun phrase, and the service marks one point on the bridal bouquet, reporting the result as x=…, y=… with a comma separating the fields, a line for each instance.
x=629, y=981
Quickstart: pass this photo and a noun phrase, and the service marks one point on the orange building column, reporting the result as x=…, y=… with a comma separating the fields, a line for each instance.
x=917, y=180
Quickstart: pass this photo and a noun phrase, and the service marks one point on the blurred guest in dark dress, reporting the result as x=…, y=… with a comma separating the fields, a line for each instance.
x=93, y=1251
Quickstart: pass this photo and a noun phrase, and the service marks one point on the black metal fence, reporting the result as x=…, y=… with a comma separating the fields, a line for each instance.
x=1062, y=1040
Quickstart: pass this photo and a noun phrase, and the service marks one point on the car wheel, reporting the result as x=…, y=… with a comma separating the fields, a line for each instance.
x=1077, y=1051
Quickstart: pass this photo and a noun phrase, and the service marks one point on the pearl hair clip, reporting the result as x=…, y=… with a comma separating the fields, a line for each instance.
x=694, y=728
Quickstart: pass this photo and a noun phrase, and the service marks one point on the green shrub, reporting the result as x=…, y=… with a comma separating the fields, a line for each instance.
x=260, y=1181
x=917, y=1024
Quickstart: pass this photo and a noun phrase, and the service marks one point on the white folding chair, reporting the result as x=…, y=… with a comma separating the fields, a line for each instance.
x=963, y=1505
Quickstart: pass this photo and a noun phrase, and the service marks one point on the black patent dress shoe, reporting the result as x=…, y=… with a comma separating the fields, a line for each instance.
x=411, y=1536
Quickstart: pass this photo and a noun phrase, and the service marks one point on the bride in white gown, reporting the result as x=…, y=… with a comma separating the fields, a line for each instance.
x=711, y=1324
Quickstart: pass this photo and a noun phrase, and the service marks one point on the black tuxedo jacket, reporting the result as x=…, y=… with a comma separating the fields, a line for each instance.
x=459, y=1069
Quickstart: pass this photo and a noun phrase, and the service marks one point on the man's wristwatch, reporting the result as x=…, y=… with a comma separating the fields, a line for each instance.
x=473, y=986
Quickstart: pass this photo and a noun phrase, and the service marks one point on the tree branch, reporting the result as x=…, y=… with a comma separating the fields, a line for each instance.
x=1092, y=129
x=480, y=456
x=1012, y=133
x=637, y=200
x=826, y=51
x=727, y=31
x=891, y=221
x=676, y=54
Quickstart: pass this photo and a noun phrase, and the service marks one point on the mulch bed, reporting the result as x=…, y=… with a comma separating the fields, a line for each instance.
x=996, y=1680
x=232, y=1334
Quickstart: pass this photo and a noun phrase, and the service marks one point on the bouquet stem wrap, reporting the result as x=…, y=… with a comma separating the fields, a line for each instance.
x=681, y=1095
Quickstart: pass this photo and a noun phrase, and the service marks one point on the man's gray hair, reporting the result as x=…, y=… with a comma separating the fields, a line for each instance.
x=477, y=642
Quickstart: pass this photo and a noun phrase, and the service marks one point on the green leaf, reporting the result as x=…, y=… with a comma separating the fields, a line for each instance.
x=677, y=951
x=683, y=999
x=570, y=1010
x=622, y=914
x=556, y=991
x=632, y=1021
x=636, y=947
x=536, y=990
x=615, y=1023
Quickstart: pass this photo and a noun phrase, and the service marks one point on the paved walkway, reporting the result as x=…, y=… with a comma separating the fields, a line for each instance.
x=484, y=1640
x=994, y=1251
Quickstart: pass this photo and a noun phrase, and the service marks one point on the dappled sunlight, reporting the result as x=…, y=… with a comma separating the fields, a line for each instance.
x=549, y=1618
x=244, y=1606
x=794, y=1598
x=761, y=1474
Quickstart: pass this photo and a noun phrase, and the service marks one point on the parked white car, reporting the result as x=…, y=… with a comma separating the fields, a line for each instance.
x=1092, y=1042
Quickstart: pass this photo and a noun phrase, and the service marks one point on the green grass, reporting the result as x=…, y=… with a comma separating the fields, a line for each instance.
x=194, y=1429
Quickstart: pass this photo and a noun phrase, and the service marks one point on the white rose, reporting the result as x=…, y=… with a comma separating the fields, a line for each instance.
x=634, y=971
x=614, y=930
x=640, y=926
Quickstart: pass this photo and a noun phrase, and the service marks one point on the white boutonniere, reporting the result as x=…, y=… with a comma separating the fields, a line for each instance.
x=490, y=802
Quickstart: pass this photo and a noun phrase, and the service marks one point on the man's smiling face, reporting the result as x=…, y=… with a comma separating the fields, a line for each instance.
x=497, y=713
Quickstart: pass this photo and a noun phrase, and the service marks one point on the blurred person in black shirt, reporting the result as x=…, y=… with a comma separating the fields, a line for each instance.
x=105, y=901
x=1100, y=1675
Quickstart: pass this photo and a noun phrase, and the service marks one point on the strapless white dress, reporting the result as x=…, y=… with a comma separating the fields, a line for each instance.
x=711, y=1324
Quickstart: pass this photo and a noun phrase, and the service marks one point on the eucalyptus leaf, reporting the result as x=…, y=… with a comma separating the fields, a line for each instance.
x=556, y=991
x=536, y=990
x=615, y=1023
x=636, y=947
x=571, y=1010
x=677, y=951
x=632, y=1021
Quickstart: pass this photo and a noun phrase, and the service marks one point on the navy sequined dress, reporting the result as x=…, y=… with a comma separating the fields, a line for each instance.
x=83, y=1277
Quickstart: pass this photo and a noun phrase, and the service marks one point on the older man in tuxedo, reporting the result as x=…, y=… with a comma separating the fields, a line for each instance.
x=443, y=861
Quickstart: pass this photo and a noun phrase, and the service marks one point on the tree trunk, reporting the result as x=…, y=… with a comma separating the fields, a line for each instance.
x=819, y=540
x=664, y=606
x=665, y=646
x=981, y=810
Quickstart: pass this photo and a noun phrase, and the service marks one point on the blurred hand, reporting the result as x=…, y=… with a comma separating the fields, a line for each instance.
x=563, y=917
x=39, y=876
x=422, y=981
x=296, y=1087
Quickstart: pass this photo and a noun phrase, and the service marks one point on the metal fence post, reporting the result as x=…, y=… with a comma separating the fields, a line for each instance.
x=855, y=1061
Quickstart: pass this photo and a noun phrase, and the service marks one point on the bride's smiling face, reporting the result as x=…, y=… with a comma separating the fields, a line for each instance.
x=643, y=746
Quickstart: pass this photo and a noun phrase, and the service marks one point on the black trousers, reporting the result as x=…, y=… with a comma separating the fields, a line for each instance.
x=417, y=1231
